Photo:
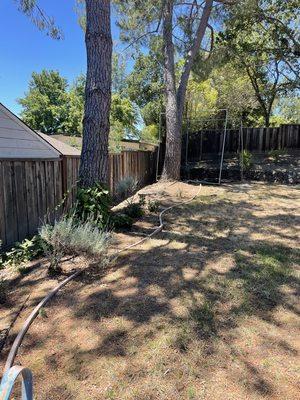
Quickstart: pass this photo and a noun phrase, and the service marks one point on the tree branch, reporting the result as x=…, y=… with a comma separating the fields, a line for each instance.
x=150, y=32
x=191, y=55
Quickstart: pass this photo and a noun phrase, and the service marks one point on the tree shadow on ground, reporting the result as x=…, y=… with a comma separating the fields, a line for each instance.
x=197, y=282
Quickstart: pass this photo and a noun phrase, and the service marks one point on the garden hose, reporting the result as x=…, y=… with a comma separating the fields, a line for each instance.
x=18, y=340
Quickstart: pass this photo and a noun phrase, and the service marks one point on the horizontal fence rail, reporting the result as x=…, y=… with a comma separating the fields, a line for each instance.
x=32, y=191
x=203, y=143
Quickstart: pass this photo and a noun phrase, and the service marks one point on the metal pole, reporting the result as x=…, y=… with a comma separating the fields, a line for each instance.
x=242, y=150
x=223, y=147
x=186, y=142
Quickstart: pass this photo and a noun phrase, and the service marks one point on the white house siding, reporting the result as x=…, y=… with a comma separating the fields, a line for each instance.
x=17, y=140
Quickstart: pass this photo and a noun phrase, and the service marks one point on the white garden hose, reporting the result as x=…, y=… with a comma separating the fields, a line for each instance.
x=18, y=340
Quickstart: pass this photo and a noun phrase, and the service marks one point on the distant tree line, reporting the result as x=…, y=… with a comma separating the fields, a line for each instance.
x=190, y=57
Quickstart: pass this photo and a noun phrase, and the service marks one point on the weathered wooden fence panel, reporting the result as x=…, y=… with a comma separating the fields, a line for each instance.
x=31, y=190
x=138, y=164
x=258, y=140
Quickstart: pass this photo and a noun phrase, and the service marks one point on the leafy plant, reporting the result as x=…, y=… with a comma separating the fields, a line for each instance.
x=153, y=206
x=93, y=204
x=246, y=160
x=275, y=154
x=134, y=210
x=43, y=313
x=74, y=237
x=126, y=188
x=27, y=250
x=121, y=221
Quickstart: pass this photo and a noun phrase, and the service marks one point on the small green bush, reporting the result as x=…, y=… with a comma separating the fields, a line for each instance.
x=246, y=159
x=153, y=206
x=93, y=204
x=134, y=210
x=121, y=221
x=275, y=154
x=126, y=188
x=27, y=250
x=68, y=236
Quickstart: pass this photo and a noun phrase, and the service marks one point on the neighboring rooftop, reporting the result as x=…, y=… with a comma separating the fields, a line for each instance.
x=63, y=147
x=18, y=141
x=125, y=144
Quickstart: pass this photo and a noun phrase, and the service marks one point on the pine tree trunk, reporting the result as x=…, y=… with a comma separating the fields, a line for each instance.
x=172, y=160
x=94, y=155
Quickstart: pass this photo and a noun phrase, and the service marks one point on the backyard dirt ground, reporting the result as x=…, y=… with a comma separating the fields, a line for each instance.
x=207, y=309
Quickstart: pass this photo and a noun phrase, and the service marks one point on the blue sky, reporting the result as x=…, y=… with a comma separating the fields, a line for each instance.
x=25, y=49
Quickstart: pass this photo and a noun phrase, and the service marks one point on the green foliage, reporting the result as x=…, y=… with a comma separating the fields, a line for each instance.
x=51, y=106
x=27, y=250
x=126, y=188
x=39, y=17
x=123, y=111
x=260, y=37
x=153, y=206
x=119, y=84
x=43, y=313
x=145, y=83
x=134, y=210
x=75, y=99
x=70, y=236
x=3, y=291
x=246, y=159
x=289, y=109
x=150, y=133
x=276, y=154
x=121, y=221
x=93, y=204
x=45, y=104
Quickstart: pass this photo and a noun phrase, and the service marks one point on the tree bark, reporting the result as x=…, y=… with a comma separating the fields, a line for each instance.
x=175, y=100
x=181, y=92
x=94, y=155
x=171, y=169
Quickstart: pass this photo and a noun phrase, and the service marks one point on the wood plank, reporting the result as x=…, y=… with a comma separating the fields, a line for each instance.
x=21, y=200
x=11, y=221
x=2, y=208
x=32, y=197
x=58, y=188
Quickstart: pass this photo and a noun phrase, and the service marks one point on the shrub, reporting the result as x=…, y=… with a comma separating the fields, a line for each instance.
x=126, y=188
x=70, y=236
x=275, y=154
x=27, y=250
x=93, y=204
x=122, y=221
x=134, y=210
x=246, y=159
x=153, y=206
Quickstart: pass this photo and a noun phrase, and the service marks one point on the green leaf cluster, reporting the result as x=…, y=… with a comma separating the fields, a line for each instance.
x=93, y=204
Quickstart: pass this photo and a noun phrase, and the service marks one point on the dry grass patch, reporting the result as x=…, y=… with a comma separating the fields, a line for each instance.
x=206, y=310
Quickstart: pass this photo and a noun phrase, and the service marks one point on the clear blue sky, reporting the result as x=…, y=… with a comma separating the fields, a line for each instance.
x=24, y=49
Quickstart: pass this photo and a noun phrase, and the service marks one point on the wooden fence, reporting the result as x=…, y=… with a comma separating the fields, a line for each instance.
x=258, y=140
x=31, y=190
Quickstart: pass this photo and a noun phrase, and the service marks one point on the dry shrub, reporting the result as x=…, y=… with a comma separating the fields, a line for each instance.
x=68, y=236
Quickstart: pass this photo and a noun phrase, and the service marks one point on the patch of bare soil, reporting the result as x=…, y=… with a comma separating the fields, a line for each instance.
x=207, y=309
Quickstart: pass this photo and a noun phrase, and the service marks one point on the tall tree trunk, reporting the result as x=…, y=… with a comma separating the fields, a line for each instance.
x=267, y=119
x=94, y=155
x=172, y=160
x=181, y=92
x=175, y=101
